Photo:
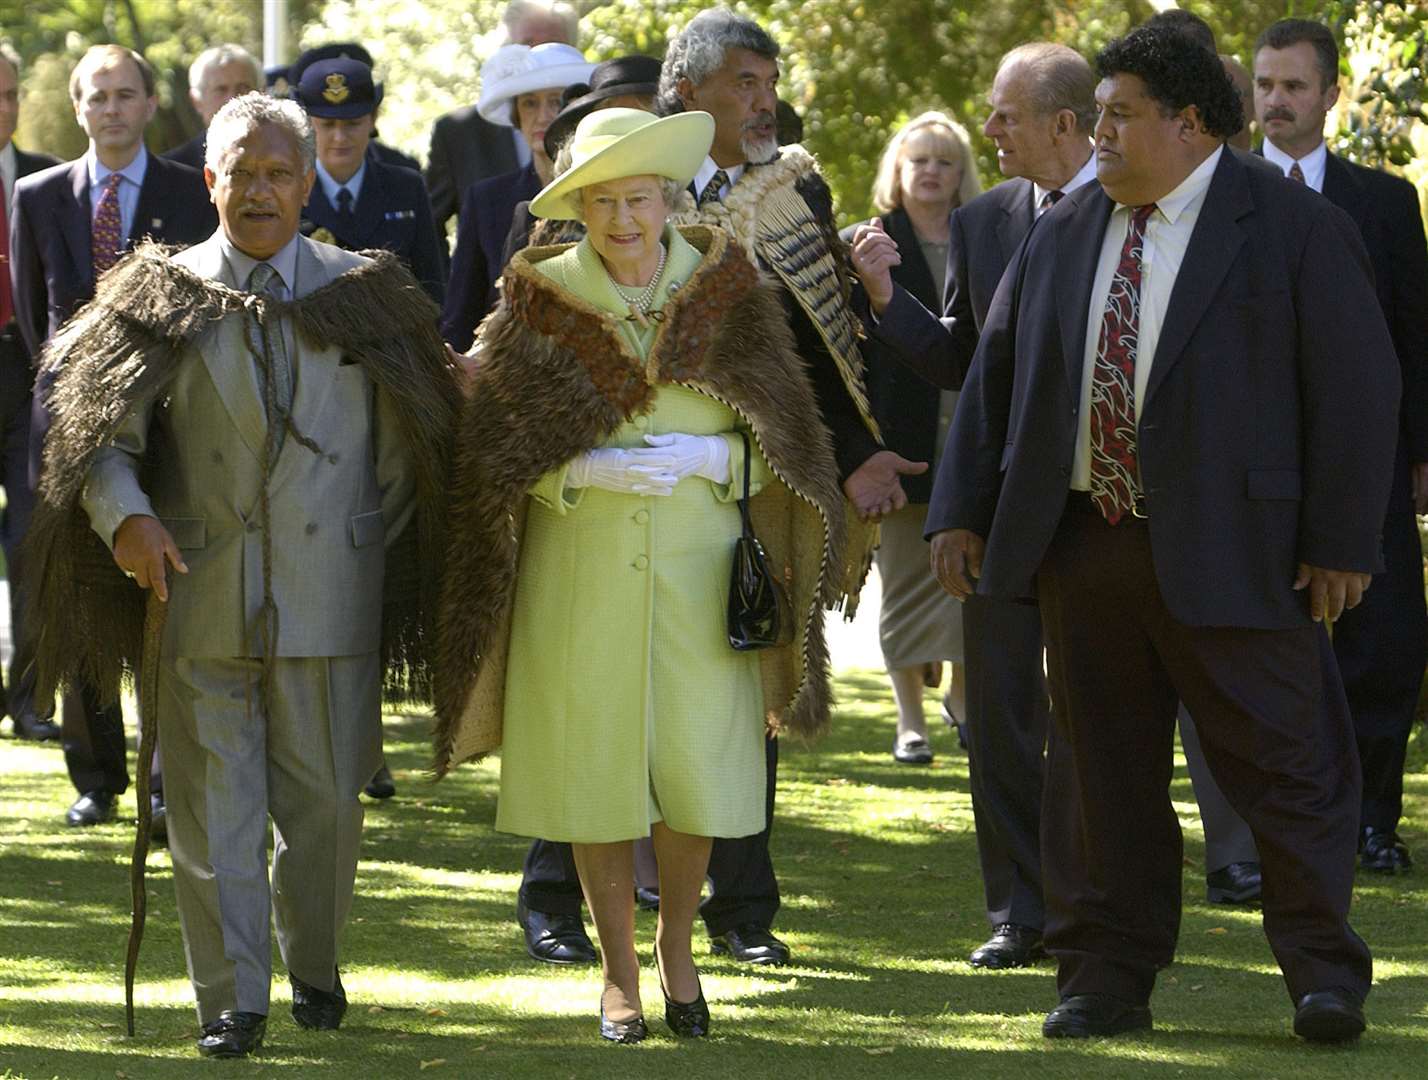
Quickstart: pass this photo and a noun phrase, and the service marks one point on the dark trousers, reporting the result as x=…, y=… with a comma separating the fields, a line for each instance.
x=1276, y=732
x=19, y=684
x=1007, y=716
x=1381, y=647
x=741, y=876
x=94, y=747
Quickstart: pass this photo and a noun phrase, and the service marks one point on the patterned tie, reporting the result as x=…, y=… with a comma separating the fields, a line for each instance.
x=107, y=232
x=344, y=206
x=1115, y=474
x=7, y=303
x=1296, y=173
x=265, y=280
x=716, y=184
x=1050, y=199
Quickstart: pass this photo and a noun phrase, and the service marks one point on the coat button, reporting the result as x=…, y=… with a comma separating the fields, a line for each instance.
x=642, y=562
x=642, y=517
x=252, y=526
x=311, y=528
x=642, y=422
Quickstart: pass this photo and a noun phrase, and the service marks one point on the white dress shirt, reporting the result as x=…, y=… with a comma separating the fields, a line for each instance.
x=1167, y=236
x=1084, y=175
x=706, y=173
x=1312, y=164
x=133, y=180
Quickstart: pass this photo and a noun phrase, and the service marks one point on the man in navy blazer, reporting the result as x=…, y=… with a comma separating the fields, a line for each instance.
x=16, y=380
x=53, y=245
x=1382, y=645
x=1176, y=432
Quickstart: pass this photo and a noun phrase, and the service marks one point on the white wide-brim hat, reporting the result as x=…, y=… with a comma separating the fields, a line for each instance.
x=513, y=70
x=611, y=144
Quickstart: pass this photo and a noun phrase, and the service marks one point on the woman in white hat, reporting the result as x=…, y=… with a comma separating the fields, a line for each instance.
x=629, y=387
x=521, y=87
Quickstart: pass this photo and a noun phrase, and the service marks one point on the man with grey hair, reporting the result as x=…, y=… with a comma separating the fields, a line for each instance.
x=216, y=76
x=253, y=484
x=465, y=147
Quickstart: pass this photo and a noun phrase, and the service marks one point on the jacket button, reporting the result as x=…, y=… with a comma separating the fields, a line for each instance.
x=642, y=562
x=642, y=422
x=311, y=527
x=252, y=526
x=641, y=517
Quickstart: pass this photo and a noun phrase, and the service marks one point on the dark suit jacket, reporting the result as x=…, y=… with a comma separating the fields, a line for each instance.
x=1267, y=425
x=14, y=386
x=391, y=212
x=464, y=149
x=190, y=153
x=906, y=405
x=50, y=237
x=487, y=210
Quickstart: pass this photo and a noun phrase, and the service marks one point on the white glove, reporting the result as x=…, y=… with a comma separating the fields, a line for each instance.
x=634, y=472
x=696, y=455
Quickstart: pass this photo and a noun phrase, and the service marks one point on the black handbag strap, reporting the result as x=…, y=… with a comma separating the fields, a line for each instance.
x=744, y=499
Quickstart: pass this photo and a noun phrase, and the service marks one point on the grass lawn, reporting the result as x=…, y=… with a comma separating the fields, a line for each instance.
x=882, y=903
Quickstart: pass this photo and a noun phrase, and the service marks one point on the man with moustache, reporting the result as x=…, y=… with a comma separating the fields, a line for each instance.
x=71, y=223
x=255, y=428
x=216, y=77
x=1192, y=481
x=1382, y=645
x=16, y=381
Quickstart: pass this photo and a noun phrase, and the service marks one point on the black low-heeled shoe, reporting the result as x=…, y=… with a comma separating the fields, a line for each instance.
x=688, y=1020
x=627, y=1032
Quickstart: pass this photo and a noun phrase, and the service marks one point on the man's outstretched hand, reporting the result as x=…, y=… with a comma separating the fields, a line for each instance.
x=142, y=546
x=874, y=488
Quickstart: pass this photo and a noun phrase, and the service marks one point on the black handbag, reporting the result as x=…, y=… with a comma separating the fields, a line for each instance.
x=759, y=615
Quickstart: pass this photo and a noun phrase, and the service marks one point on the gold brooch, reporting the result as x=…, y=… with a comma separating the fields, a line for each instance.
x=324, y=236
x=336, y=91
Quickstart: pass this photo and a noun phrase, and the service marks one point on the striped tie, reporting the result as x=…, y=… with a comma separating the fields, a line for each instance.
x=716, y=184
x=107, y=232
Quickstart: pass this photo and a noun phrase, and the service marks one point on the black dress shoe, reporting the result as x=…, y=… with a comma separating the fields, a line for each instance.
x=93, y=808
x=1236, y=883
x=688, y=1020
x=381, y=786
x=646, y=899
x=1382, y=852
x=555, y=939
x=36, y=729
x=233, y=1034
x=318, y=1010
x=1331, y=1015
x=751, y=944
x=622, y=1031
x=1081, y=1016
x=1010, y=946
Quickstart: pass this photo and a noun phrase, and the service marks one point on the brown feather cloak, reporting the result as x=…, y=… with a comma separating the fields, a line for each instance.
x=124, y=348
x=556, y=379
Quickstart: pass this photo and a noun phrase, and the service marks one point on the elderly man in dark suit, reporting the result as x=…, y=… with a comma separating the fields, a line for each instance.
x=216, y=77
x=1177, y=430
x=1382, y=645
x=16, y=380
x=72, y=222
x=466, y=147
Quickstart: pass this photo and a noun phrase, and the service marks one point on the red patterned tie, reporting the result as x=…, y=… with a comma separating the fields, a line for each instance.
x=1296, y=173
x=1115, y=475
x=108, y=228
x=7, y=304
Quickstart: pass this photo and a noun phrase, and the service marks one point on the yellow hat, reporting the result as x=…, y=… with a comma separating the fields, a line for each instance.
x=611, y=144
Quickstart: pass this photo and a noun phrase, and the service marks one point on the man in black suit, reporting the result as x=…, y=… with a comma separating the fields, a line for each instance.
x=16, y=381
x=466, y=147
x=71, y=223
x=1381, y=645
x=1176, y=430
x=359, y=202
x=216, y=77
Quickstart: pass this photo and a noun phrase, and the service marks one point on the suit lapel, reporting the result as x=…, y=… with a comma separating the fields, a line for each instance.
x=1214, y=244
x=1017, y=219
x=1079, y=236
x=226, y=356
x=1341, y=189
x=149, y=211
x=76, y=225
x=314, y=370
x=371, y=205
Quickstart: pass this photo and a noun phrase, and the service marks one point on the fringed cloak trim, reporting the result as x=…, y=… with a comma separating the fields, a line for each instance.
x=556, y=379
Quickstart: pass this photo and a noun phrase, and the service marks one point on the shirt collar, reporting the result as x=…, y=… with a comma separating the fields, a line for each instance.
x=1312, y=164
x=242, y=264
x=708, y=169
x=330, y=186
x=133, y=172
x=1190, y=190
x=1084, y=175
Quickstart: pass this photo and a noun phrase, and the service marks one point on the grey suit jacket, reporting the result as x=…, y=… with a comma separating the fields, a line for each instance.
x=332, y=513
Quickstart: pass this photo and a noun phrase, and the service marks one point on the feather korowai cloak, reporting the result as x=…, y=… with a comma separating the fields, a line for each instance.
x=124, y=348
x=557, y=378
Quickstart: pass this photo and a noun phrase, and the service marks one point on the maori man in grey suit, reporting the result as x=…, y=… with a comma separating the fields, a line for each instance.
x=256, y=428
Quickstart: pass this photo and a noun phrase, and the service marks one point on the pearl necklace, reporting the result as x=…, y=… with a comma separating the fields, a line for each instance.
x=641, y=300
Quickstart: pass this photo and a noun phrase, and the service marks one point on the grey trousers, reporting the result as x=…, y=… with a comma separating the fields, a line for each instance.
x=228, y=768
